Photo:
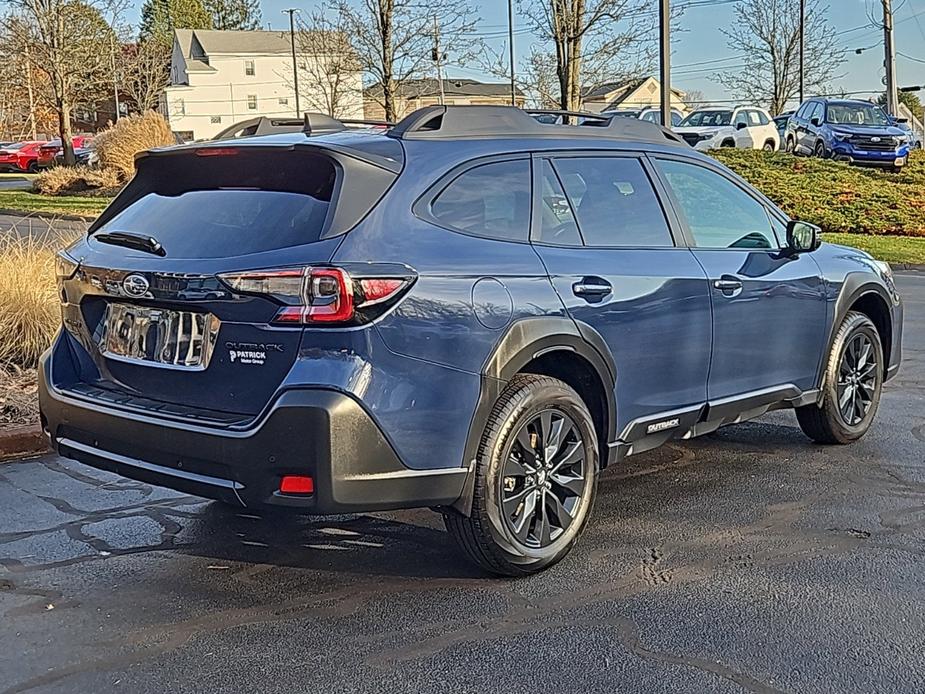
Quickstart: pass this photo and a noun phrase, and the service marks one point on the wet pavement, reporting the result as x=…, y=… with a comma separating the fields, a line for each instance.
x=748, y=560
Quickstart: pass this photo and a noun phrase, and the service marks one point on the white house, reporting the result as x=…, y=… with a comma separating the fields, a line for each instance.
x=218, y=78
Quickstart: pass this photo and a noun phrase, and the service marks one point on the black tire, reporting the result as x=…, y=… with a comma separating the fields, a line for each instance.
x=769, y=146
x=33, y=167
x=510, y=446
x=728, y=143
x=790, y=146
x=820, y=150
x=829, y=423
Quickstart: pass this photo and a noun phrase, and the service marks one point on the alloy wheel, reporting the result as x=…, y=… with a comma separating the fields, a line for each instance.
x=543, y=479
x=857, y=379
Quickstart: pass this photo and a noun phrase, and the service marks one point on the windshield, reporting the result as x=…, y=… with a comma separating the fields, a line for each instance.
x=707, y=118
x=17, y=145
x=856, y=114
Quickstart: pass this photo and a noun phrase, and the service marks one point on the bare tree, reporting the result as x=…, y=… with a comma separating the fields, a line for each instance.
x=593, y=42
x=329, y=63
x=145, y=73
x=767, y=34
x=393, y=39
x=68, y=42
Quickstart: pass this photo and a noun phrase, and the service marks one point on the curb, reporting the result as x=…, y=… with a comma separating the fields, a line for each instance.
x=47, y=216
x=907, y=267
x=17, y=442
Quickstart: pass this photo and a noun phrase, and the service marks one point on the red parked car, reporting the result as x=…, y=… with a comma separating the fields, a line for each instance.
x=51, y=149
x=21, y=156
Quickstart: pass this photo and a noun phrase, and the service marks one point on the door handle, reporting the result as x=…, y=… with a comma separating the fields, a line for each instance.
x=729, y=286
x=592, y=287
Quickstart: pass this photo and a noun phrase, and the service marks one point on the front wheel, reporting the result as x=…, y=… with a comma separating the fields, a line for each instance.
x=535, y=479
x=852, y=384
x=820, y=151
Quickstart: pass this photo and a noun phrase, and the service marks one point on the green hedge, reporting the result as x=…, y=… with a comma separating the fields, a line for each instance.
x=839, y=198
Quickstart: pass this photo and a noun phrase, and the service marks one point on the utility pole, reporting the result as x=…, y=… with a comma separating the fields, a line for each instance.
x=115, y=77
x=802, y=49
x=438, y=59
x=664, y=18
x=510, y=36
x=31, y=95
x=892, y=95
x=295, y=65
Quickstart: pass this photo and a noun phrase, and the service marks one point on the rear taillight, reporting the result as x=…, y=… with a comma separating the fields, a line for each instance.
x=320, y=295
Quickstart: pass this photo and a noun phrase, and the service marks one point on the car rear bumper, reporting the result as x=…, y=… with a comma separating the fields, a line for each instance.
x=324, y=434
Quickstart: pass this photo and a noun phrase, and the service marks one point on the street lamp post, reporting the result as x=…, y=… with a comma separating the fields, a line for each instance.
x=802, y=48
x=295, y=66
x=664, y=16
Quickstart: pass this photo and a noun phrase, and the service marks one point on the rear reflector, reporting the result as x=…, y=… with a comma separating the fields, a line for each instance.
x=296, y=484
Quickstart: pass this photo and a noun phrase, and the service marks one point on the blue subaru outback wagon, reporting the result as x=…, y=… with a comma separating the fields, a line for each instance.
x=474, y=312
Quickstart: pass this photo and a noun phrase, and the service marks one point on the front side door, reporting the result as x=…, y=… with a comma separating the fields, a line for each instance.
x=607, y=244
x=769, y=308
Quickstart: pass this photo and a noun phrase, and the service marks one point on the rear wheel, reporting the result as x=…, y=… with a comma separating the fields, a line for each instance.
x=728, y=143
x=820, y=150
x=769, y=146
x=790, y=146
x=853, y=381
x=33, y=167
x=535, y=479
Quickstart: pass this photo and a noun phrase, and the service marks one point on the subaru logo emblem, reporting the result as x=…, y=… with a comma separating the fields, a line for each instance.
x=875, y=139
x=135, y=285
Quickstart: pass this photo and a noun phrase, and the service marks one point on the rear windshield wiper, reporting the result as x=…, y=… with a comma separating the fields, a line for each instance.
x=139, y=242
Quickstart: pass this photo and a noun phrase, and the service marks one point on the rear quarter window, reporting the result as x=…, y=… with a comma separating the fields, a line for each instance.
x=490, y=200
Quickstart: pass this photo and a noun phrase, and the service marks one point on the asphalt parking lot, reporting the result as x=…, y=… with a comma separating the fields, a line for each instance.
x=750, y=560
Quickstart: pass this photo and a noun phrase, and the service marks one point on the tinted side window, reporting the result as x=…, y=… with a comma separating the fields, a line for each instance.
x=817, y=111
x=614, y=202
x=741, y=117
x=491, y=200
x=718, y=212
x=804, y=111
x=557, y=221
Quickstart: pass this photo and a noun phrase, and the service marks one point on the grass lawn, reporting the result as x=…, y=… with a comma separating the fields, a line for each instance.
x=26, y=201
x=892, y=249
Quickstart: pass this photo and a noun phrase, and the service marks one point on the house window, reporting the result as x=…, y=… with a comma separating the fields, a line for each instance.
x=215, y=119
x=252, y=102
x=249, y=68
x=283, y=101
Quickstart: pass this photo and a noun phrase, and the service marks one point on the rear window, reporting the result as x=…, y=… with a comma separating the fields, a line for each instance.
x=220, y=206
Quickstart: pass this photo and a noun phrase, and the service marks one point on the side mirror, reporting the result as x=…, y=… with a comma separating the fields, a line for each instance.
x=803, y=237
x=741, y=125
x=816, y=121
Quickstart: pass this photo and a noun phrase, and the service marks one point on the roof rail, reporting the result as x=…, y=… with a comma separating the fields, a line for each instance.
x=462, y=122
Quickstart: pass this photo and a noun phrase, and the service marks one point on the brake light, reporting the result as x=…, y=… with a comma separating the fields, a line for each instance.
x=296, y=484
x=216, y=152
x=315, y=295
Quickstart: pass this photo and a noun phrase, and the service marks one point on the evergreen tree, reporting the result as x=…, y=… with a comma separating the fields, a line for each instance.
x=160, y=17
x=234, y=14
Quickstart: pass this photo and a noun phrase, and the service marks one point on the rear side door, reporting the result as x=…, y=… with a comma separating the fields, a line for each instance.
x=744, y=136
x=608, y=245
x=769, y=307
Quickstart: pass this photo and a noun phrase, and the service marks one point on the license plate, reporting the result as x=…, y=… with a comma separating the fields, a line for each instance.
x=175, y=339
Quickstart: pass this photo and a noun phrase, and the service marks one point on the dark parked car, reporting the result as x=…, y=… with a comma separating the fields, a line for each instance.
x=475, y=312
x=857, y=132
x=780, y=122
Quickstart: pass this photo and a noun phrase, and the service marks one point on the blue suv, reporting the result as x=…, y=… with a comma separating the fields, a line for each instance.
x=857, y=132
x=473, y=311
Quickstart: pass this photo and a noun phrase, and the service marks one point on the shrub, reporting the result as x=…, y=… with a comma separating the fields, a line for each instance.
x=29, y=308
x=70, y=180
x=118, y=145
x=838, y=197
